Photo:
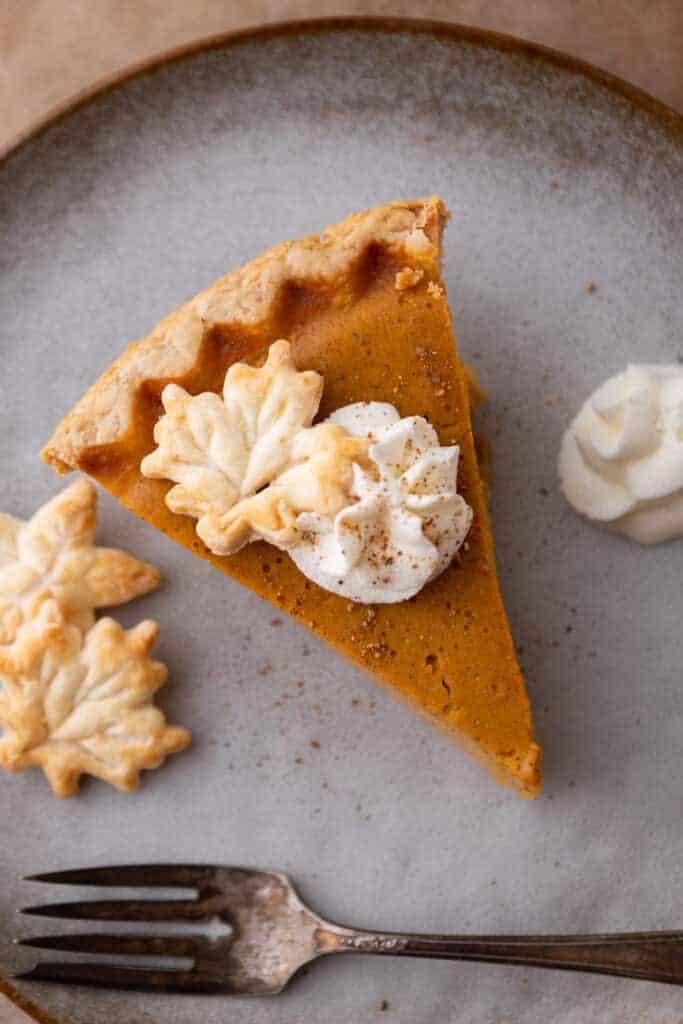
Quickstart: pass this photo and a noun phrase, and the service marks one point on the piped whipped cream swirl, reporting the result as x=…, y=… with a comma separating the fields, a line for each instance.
x=366, y=503
x=621, y=461
x=407, y=520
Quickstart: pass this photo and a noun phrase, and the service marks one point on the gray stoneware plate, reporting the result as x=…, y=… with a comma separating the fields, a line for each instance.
x=133, y=202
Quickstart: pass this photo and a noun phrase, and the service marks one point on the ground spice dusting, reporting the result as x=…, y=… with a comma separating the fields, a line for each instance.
x=376, y=650
x=369, y=618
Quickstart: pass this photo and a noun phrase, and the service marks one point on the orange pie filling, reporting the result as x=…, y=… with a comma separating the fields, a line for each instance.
x=346, y=452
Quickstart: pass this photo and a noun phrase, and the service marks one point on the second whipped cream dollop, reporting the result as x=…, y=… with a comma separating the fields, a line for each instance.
x=407, y=520
x=621, y=461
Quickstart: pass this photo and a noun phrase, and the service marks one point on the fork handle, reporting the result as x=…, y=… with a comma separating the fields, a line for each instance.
x=652, y=956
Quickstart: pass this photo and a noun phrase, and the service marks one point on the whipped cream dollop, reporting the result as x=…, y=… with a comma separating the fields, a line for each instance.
x=621, y=460
x=406, y=521
x=366, y=503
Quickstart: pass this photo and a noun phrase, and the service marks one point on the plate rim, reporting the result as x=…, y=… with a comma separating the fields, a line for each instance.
x=667, y=117
x=27, y=1006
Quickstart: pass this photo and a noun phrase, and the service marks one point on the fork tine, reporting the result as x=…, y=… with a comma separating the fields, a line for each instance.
x=123, y=910
x=109, y=976
x=121, y=945
x=127, y=875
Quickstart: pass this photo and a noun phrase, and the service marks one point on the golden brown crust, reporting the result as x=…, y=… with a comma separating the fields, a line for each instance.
x=411, y=228
x=53, y=556
x=83, y=703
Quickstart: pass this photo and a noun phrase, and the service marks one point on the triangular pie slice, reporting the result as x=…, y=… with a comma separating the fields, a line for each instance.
x=365, y=306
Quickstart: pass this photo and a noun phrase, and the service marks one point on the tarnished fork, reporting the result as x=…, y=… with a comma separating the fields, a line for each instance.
x=267, y=935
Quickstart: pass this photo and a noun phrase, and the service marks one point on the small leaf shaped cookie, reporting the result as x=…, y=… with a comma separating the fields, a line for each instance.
x=52, y=555
x=74, y=703
x=248, y=463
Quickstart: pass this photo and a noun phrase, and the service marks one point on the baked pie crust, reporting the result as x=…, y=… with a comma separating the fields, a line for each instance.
x=53, y=555
x=363, y=305
x=248, y=463
x=74, y=703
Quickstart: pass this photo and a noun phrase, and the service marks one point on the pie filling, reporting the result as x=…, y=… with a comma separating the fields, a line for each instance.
x=365, y=503
x=363, y=307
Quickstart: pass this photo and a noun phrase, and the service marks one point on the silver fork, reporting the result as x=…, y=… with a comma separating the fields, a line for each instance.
x=271, y=935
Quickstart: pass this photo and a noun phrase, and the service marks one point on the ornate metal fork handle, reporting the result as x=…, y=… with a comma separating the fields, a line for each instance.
x=267, y=934
x=651, y=956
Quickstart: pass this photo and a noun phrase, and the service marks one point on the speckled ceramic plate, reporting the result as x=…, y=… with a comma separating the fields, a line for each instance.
x=556, y=176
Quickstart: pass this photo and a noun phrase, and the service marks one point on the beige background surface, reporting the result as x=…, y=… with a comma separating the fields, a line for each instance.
x=52, y=49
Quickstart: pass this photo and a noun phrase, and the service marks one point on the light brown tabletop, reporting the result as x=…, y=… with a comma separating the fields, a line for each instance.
x=51, y=49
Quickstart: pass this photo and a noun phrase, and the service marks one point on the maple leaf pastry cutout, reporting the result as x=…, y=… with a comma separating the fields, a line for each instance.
x=74, y=703
x=53, y=556
x=246, y=463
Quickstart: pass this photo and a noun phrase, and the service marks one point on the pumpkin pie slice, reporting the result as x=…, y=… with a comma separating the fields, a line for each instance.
x=362, y=308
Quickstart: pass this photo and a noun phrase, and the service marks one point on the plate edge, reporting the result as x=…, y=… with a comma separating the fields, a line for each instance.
x=454, y=31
